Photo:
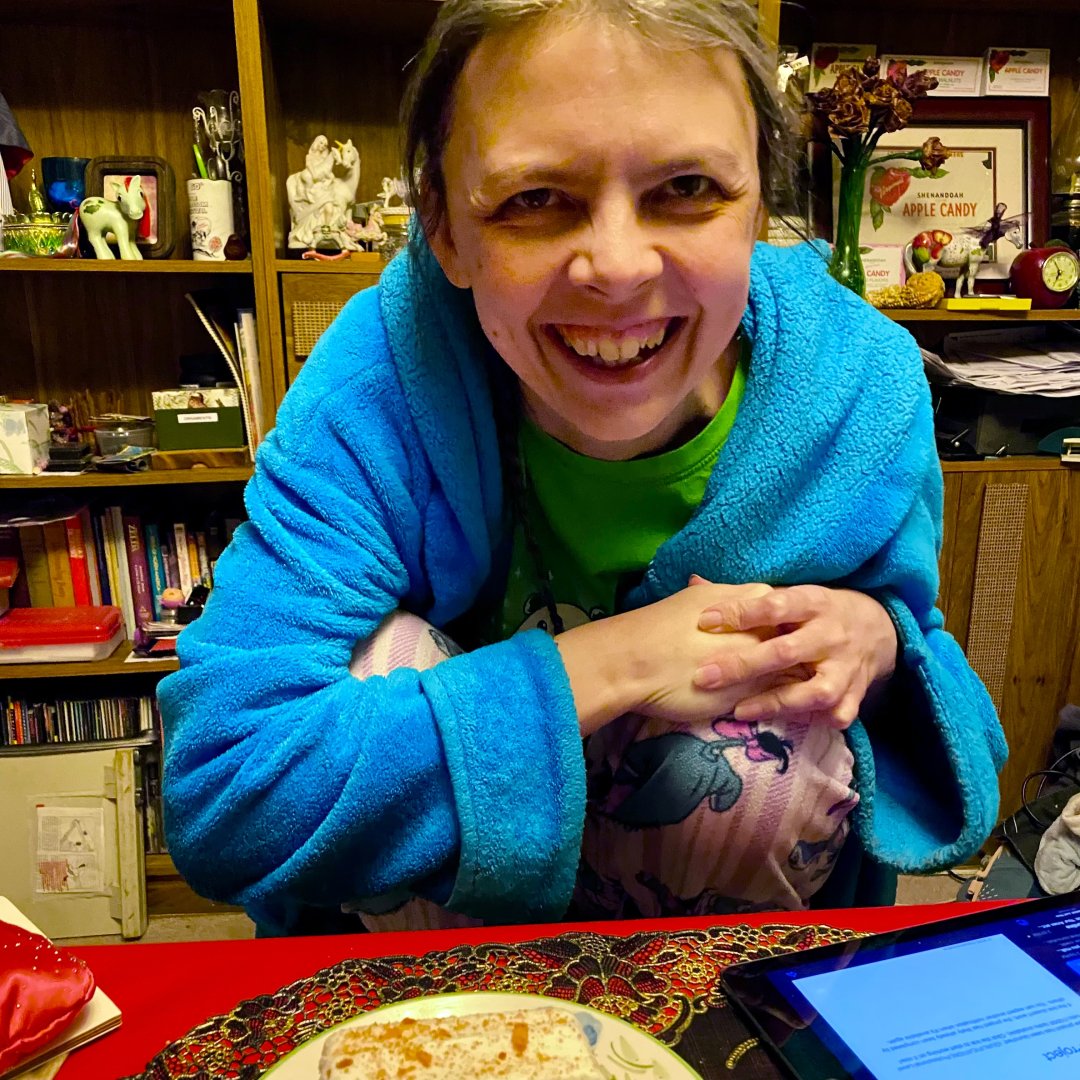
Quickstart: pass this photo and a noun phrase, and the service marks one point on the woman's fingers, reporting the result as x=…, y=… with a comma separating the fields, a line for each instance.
x=808, y=645
x=821, y=699
x=778, y=607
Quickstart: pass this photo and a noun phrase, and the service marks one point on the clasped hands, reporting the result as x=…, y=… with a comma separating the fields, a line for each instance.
x=763, y=653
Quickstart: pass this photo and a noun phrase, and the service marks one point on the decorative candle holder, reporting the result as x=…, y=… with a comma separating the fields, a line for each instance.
x=64, y=180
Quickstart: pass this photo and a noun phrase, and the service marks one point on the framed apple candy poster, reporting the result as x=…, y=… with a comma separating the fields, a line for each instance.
x=992, y=173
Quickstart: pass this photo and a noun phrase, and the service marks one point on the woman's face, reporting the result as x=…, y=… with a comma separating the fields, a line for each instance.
x=603, y=199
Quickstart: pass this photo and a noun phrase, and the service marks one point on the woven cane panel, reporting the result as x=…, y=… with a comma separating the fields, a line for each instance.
x=309, y=319
x=997, y=568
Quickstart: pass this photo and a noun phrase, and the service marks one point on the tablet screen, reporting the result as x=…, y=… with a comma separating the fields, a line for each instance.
x=997, y=997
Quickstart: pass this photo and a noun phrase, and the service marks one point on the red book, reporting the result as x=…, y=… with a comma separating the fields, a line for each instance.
x=141, y=595
x=80, y=572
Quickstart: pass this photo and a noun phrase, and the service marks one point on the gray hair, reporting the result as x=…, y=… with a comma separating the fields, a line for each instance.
x=671, y=24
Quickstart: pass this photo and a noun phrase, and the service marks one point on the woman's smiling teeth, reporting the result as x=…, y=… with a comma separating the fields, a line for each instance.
x=611, y=349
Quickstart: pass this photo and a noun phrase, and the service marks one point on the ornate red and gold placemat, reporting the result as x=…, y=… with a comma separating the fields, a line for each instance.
x=665, y=984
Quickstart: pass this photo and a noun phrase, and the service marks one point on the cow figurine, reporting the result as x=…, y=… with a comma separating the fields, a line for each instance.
x=100, y=216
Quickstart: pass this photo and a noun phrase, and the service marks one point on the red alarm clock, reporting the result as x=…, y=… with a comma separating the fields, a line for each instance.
x=1046, y=276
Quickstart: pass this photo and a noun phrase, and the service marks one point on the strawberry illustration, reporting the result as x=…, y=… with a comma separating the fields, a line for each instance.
x=824, y=57
x=887, y=185
x=999, y=58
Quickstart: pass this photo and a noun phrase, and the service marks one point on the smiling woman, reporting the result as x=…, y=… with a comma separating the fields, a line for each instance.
x=591, y=566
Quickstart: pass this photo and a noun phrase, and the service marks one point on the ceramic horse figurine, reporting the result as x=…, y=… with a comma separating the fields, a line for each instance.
x=968, y=249
x=100, y=216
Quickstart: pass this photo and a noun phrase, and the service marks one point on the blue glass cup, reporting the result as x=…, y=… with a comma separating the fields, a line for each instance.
x=64, y=180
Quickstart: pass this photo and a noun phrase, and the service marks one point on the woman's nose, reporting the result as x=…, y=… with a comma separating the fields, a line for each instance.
x=618, y=254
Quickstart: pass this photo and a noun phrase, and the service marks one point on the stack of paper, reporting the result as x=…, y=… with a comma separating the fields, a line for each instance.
x=1024, y=360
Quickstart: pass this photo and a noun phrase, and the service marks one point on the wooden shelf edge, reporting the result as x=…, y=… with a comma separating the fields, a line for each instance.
x=150, y=738
x=113, y=665
x=122, y=266
x=937, y=315
x=1020, y=463
x=372, y=264
x=149, y=477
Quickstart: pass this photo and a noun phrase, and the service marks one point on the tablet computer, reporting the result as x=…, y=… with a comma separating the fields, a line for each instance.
x=993, y=995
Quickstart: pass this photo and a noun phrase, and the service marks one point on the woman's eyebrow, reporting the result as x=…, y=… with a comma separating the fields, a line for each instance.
x=513, y=178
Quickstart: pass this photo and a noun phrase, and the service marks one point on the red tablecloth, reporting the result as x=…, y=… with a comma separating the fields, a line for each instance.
x=165, y=990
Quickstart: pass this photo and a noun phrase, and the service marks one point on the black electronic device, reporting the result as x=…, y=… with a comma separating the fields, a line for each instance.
x=993, y=994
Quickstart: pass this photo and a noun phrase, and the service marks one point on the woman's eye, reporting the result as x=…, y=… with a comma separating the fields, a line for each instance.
x=535, y=199
x=690, y=187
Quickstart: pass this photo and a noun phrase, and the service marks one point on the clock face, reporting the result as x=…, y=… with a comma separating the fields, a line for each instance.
x=1060, y=271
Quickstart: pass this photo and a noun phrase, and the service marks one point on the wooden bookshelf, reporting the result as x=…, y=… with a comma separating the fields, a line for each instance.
x=122, y=266
x=146, y=478
x=148, y=739
x=117, y=664
x=76, y=325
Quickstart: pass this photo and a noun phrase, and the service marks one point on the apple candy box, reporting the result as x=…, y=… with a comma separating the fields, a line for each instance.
x=1011, y=72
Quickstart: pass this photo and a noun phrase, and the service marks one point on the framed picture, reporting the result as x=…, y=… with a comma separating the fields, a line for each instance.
x=156, y=232
x=1000, y=150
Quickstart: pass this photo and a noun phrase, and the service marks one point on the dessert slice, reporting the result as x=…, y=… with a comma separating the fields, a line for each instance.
x=527, y=1044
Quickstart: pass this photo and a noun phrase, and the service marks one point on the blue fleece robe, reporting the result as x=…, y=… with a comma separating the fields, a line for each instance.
x=289, y=783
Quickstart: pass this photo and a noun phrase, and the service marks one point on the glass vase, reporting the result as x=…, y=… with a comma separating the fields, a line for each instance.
x=847, y=265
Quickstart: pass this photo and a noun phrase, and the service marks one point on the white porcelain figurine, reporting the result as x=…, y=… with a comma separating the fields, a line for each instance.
x=100, y=217
x=321, y=196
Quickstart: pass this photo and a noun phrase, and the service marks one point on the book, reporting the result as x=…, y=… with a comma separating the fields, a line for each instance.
x=193, y=559
x=80, y=571
x=9, y=573
x=99, y=1015
x=249, y=363
x=56, y=554
x=101, y=557
x=10, y=548
x=204, y=559
x=139, y=567
x=113, y=523
x=36, y=565
x=157, y=566
x=168, y=555
x=210, y=309
x=93, y=574
x=183, y=561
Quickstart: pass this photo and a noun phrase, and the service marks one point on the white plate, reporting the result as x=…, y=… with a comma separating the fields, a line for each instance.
x=624, y=1051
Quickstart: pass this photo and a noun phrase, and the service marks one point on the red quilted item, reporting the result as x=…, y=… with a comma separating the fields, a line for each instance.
x=42, y=990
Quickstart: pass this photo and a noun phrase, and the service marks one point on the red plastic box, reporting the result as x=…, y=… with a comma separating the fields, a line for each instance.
x=44, y=635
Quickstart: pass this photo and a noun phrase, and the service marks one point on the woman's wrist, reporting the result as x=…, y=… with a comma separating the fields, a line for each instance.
x=599, y=664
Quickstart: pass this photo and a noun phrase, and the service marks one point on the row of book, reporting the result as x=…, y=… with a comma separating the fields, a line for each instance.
x=112, y=557
x=37, y=723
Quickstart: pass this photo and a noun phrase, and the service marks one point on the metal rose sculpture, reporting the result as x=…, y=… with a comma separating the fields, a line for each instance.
x=861, y=107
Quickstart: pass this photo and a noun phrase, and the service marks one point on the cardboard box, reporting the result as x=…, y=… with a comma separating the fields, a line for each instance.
x=827, y=58
x=957, y=76
x=24, y=438
x=884, y=266
x=1009, y=72
x=203, y=419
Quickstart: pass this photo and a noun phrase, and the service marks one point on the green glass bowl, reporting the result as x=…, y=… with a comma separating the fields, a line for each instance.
x=34, y=238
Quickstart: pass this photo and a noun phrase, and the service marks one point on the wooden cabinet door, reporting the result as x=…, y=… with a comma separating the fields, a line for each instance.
x=310, y=303
x=1009, y=592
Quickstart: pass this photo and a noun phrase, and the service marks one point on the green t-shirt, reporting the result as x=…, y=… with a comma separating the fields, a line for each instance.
x=597, y=524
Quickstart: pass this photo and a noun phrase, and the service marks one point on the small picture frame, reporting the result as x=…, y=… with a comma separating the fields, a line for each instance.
x=156, y=232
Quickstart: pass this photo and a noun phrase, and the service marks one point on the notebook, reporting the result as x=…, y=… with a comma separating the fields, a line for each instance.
x=99, y=1015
